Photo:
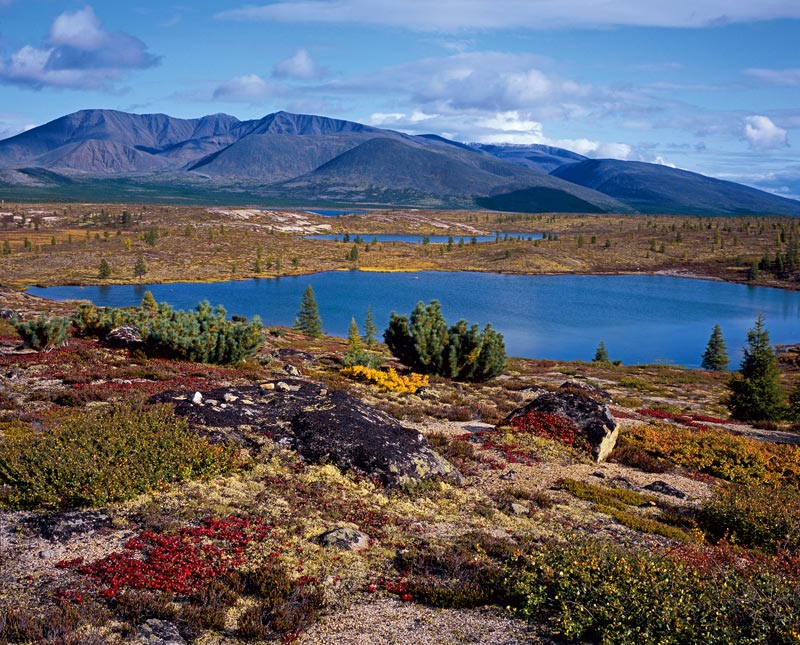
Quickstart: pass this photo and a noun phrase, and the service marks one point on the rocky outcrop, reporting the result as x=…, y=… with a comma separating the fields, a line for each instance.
x=323, y=426
x=582, y=387
x=127, y=337
x=592, y=417
x=344, y=538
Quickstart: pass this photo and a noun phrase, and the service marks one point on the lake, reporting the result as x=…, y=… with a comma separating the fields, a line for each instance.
x=433, y=239
x=641, y=318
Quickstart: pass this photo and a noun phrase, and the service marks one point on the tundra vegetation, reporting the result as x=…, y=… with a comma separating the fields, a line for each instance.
x=115, y=511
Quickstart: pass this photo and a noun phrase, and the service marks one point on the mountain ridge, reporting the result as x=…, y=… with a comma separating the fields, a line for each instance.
x=301, y=157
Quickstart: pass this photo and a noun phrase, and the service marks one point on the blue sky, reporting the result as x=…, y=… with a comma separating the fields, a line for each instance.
x=706, y=85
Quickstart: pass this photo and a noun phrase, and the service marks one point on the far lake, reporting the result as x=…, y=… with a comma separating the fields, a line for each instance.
x=641, y=318
x=433, y=239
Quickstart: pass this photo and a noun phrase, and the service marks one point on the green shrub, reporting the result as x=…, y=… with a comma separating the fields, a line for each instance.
x=203, y=335
x=43, y=333
x=462, y=352
x=753, y=516
x=603, y=593
x=105, y=456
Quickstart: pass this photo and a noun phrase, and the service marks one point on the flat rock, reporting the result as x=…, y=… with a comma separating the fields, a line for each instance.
x=665, y=489
x=588, y=389
x=345, y=538
x=323, y=426
x=159, y=632
x=61, y=526
x=593, y=418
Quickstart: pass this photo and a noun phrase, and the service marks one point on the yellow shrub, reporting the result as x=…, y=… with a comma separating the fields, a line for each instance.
x=388, y=380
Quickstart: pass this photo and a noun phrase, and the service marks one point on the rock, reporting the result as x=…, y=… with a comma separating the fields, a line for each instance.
x=345, y=538
x=665, y=489
x=323, y=426
x=593, y=418
x=599, y=475
x=621, y=482
x=159, y=632
x=230, y=398
x=588, y=389
x=61, y=526
x=197, y=399
x=291, y=370
x=127, y=337
x=510, y=474
x=46, y=554
x=7, y=314
x=518, y=509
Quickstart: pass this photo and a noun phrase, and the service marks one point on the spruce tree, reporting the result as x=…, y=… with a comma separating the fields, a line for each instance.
x=104, y=270
x=308, y=320
x=354, y=344
x=148, y=302
x=755, y=391
x=140, y=267
x=601, y=355
x=715, y=357
x=794, y=404
x=370, y=331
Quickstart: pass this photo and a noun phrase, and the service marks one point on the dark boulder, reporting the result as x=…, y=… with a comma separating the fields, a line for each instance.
x=592, y=417
x=322, y=425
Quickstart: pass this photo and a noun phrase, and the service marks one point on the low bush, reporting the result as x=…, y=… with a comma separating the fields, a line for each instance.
x=603, y=593
x=753, y=516
x=42, y=333
x=103, y=456
x=719, y=453
x=388, y=380
x=204, y=335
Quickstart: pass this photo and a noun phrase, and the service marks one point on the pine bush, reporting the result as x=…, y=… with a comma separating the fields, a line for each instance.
x=43, y=333
x=462, y=352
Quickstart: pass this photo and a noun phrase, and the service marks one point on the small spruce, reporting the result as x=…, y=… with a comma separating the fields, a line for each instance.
x=715, y=357
x=308, y=321
x=601, y=355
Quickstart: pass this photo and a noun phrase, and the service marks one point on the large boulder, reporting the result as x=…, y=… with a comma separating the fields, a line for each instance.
x=593, y=418
x=323, y=426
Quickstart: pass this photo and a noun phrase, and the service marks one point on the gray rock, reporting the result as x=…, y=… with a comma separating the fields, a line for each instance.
x=127, y=336
x=291, y=370
x=665, y=489
x=518, y=509
x=159, y=632
x=197, y=399
x=46, y=554
x=592, y=417
x=621, y=482
x=7, y=314
x=345, y=538
x=588, y=389
x=61, y=526
x=323, y=426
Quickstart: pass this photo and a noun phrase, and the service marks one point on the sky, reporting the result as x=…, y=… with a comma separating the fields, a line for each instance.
x=711, y=86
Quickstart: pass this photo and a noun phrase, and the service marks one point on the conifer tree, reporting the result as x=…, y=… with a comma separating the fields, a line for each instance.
x=601, y=355
x=370, y=331
x=794, y=404
x=308, y=320
x=148, y=302
x=104, y=271
x=140, y=267
x=755, y=391
x=715, y=357
x=354, y=344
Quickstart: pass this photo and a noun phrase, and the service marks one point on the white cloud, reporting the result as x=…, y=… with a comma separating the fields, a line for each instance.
x=250, y=88
x=783, y=77
x=300, y=67
x=458, y=15
x=762, y=134
x=78, y=54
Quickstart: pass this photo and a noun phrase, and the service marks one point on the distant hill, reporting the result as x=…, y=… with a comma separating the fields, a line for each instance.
x=287, y=159
x=653, y=188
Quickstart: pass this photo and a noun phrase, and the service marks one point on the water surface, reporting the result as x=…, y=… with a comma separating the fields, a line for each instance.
x=641, y=318
x=433, y=239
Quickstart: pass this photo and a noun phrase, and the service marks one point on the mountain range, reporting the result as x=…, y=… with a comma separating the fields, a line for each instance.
x=296, y=159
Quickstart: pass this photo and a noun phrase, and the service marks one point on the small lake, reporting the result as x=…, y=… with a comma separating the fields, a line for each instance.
x=641, y=318
x=327, y=212
x=433, y=239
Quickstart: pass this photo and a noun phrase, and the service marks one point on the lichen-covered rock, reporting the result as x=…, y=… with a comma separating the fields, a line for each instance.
x=592, y=417
x=345, y=538
x=588, y=389
x=323, y=426
x=127, y=336
x=159, y=632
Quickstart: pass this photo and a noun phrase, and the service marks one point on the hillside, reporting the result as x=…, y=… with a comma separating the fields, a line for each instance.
x=653, y=188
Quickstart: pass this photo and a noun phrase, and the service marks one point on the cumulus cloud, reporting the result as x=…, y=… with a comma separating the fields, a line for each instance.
x=300, y=67
x=762, y=134
x=77, y=54
x=459, y=15
x=250, y=88
x=781, y=77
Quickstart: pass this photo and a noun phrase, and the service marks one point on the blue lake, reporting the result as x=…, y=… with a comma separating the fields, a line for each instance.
x=327, y=212
x=433, y=239
x=641, y=318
